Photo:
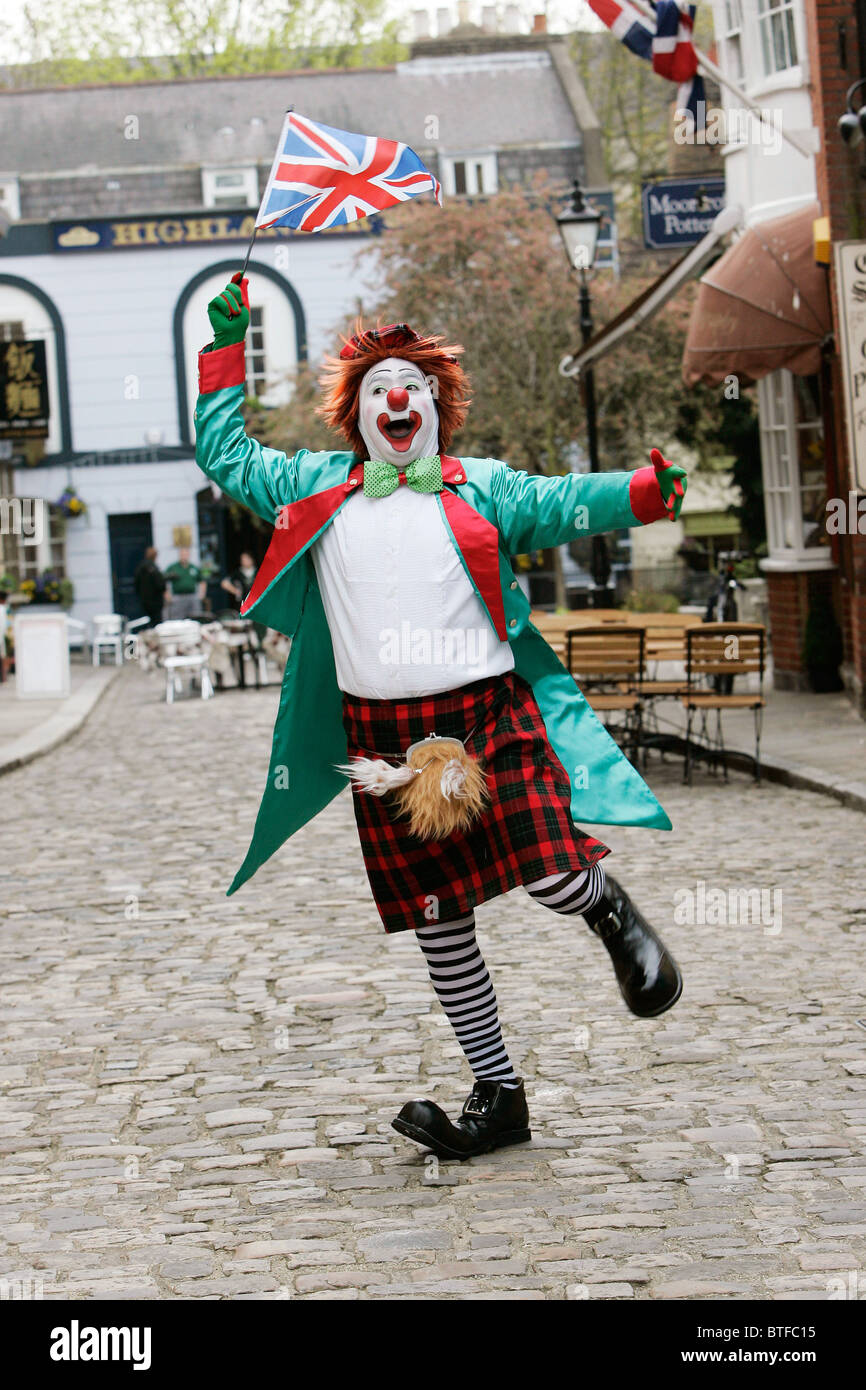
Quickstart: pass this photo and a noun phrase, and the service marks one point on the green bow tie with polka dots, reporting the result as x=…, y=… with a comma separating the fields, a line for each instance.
x=422, y=475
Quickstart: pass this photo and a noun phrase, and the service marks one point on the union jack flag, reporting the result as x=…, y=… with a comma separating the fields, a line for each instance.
x=323, y=177
x=669, y=47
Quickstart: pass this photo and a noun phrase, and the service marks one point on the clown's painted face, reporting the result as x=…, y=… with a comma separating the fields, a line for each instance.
x=397, y=414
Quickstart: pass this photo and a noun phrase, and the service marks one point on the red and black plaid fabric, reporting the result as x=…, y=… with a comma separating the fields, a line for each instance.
x=525, y=833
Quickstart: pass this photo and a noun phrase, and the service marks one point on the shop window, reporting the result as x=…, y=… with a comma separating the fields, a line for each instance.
x=792, y=456
x=11, y=332
x=778, y=37
x=469, y=175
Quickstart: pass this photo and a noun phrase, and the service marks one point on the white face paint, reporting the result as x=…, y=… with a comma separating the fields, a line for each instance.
x=397, y=414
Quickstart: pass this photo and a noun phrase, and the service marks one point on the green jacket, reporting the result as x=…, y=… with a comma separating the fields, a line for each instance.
x=491, y=511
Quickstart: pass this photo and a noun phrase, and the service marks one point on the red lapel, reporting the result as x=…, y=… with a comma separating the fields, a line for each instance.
x=296, y=525
x=477, y=539
x=478, y=542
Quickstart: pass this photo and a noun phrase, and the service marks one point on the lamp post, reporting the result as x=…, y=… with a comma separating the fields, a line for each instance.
x=578, y=226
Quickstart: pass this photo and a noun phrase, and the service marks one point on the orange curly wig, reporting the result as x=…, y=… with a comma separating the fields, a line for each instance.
x=342, y=377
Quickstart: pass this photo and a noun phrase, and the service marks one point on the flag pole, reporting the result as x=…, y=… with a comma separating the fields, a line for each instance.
x=288, y=111
x=712, y=70
x=249, y=253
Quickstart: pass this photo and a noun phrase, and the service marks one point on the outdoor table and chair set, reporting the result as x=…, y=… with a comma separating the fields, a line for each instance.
x=628, y=665
x=204, y=651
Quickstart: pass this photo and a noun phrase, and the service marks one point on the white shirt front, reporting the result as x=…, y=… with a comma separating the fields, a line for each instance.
x=404, y=618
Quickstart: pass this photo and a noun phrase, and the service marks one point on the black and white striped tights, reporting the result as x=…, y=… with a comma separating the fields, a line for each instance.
x=462, y=984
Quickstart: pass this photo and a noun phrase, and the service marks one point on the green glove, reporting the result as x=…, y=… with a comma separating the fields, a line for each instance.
x=672, y=481
x=229, y=313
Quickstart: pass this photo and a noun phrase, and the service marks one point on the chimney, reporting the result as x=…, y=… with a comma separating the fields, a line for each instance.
x=539, y=24
x=421, y=24
x=488, y=19
x=512, y=19
x=443, y=21
x=463, y=12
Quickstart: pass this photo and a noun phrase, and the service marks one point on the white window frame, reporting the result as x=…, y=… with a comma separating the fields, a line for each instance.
x=472, y=161
x=782, y=478
x=255, y=353
x=10, y=196
x=774, y=17
x=230, y=186
x=731, y=25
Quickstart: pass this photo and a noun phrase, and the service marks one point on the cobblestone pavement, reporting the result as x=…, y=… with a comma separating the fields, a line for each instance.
x=196, y=1092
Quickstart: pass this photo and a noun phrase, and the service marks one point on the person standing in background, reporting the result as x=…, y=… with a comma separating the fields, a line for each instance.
x=150, y=586
x=238, y=584
x=187, y=586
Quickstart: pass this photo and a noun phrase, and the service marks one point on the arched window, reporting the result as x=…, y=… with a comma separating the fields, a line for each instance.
x=276, y=340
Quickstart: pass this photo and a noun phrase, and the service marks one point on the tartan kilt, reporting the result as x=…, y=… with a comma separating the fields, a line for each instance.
x=525, y=833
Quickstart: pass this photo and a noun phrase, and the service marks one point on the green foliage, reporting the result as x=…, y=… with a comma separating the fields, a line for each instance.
x=650, y=601
x=822, y=645
x=67, y=42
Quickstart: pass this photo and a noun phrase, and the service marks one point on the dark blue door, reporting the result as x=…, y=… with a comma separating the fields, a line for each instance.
x=129, y=535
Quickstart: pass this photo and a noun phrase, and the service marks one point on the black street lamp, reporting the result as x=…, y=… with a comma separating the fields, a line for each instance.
x=578, y=226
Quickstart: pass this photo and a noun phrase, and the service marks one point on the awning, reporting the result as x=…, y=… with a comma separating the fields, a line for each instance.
x=763, y=305
x=709, y=524
x=655, y=296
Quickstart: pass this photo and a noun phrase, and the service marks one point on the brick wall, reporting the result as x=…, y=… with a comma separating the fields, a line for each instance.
x=842, y=194
x=789, y=597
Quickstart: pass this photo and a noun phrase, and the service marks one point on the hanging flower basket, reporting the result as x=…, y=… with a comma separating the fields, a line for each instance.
x=48, y=588
x=69, y=504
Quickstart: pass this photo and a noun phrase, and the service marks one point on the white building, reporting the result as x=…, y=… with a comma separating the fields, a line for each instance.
x=763, y=47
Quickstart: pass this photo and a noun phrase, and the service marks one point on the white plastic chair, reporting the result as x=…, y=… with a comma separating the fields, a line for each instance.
x=77, y=634
x=131, y=648
x=108, y=633
x=182, y=649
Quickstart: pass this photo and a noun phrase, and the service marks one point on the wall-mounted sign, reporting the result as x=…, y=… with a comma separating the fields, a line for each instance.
x=851, y=286
x=678, y=212
x=606, y=248
x=182, y=229
x=24, y=409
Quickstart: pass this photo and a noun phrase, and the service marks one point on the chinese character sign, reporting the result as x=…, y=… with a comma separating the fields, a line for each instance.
x=24, y=409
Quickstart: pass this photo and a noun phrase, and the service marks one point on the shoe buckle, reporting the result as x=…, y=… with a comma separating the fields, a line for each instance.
x=608, y=926
x=477, y=1105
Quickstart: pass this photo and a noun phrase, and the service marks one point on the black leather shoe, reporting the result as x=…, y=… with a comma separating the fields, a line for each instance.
x=648, y=976
x=492, y=1117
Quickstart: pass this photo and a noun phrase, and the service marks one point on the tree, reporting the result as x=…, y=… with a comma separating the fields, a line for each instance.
x=64, y=42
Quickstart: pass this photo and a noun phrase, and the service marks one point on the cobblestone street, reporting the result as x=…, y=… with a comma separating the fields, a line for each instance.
x=197, y=1091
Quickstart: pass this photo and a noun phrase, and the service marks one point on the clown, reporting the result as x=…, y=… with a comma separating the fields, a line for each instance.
x=415, y=670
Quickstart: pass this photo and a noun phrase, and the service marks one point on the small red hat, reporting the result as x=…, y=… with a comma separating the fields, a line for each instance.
x=392, y=336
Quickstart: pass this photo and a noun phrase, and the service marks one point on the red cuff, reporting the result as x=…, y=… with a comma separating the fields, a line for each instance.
x=222, y=367
x=644, y=496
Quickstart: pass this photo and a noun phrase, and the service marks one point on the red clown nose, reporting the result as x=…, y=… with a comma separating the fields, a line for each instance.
x=397, y=398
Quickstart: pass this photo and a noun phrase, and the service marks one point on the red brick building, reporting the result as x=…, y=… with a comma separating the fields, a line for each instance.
x=785, y=309
x=837, y=59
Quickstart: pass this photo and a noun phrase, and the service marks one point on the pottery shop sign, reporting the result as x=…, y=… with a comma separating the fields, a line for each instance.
x=851, y=289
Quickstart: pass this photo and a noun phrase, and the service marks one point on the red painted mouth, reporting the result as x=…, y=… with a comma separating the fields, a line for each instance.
x=400, y=432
